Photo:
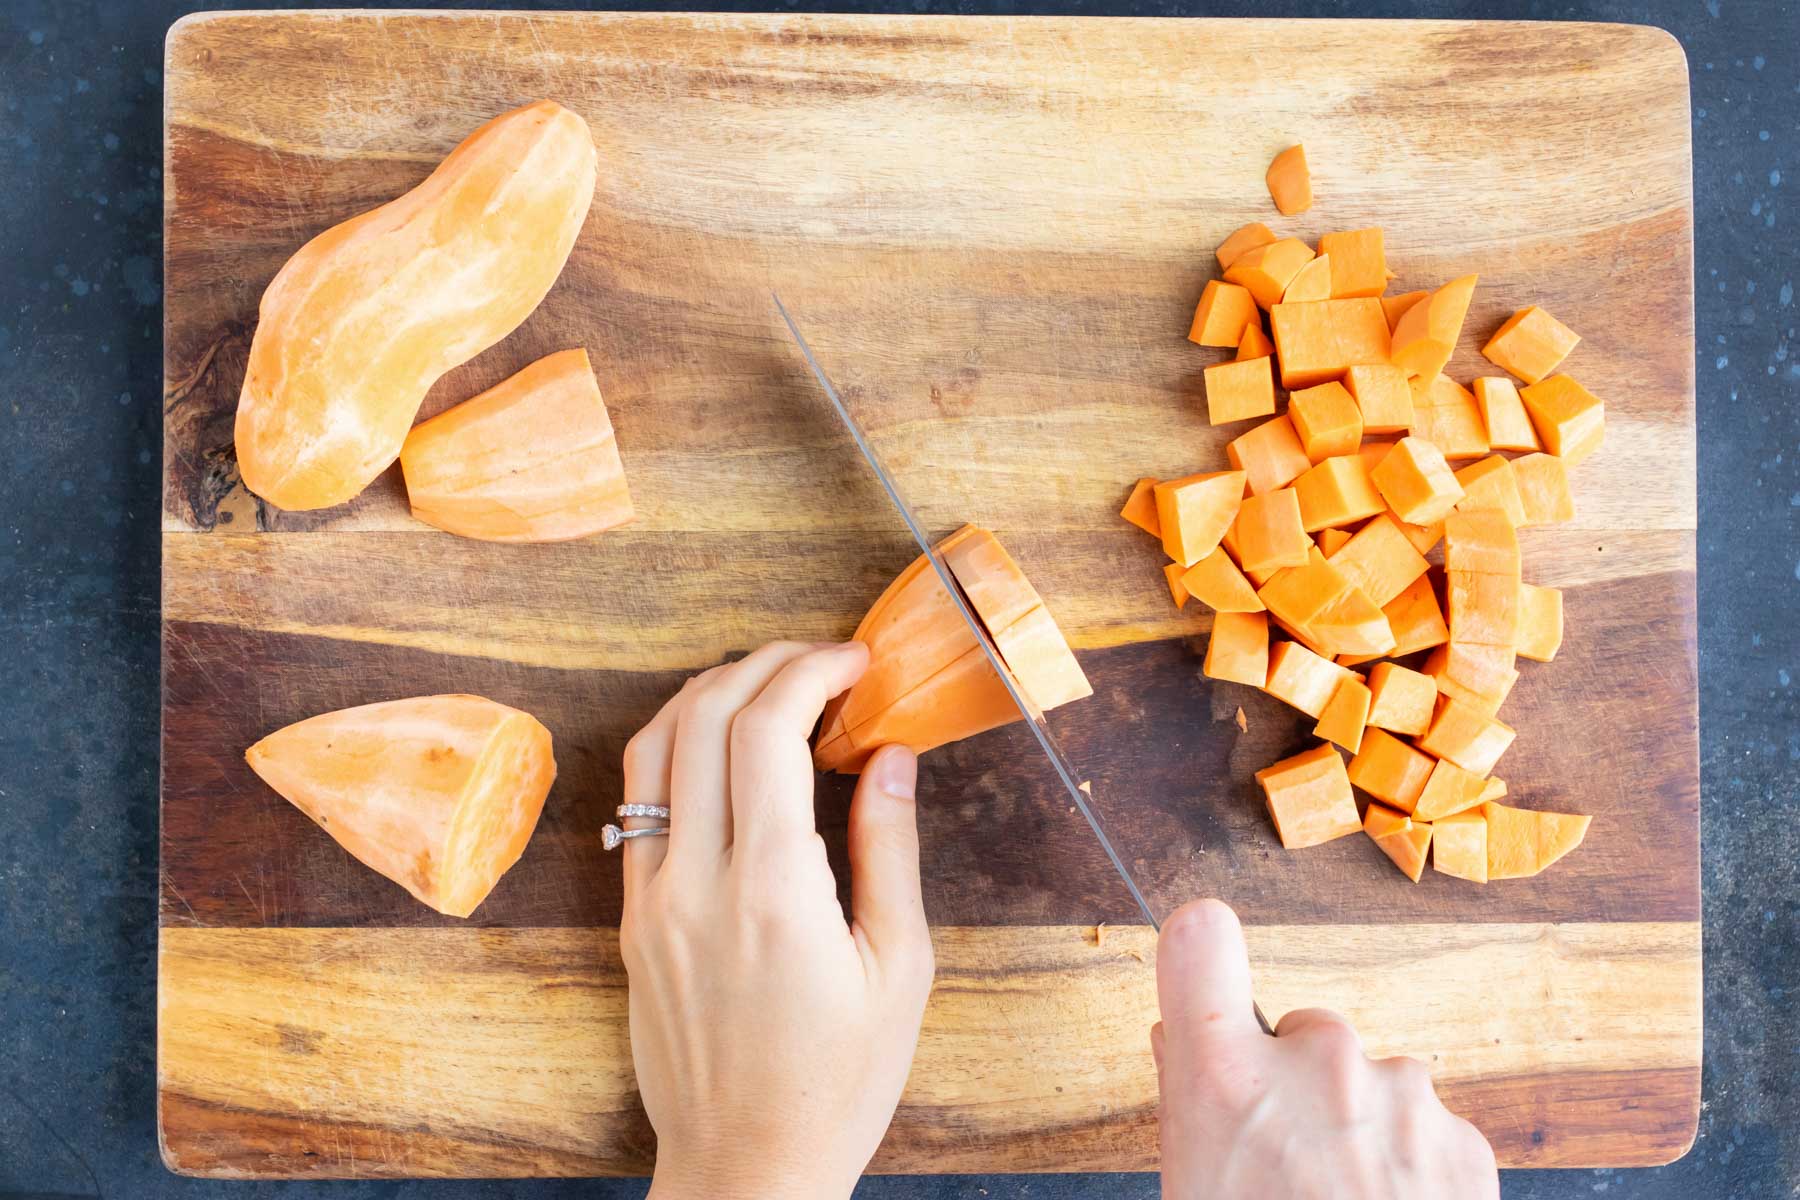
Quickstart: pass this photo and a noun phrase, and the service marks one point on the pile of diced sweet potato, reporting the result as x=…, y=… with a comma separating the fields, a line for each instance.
x=1323, y=524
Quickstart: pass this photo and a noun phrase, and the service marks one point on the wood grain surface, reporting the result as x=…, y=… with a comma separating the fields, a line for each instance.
x=994, y=231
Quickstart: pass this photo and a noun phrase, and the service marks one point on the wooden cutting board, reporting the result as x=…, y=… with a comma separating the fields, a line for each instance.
x=995, y=231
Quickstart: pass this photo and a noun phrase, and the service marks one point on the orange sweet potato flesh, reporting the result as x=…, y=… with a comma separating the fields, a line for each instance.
x=1345, y=716
x=1238, y=650
x=1521, y=842
x=1140, y=507
x=1358, y=262
x=1224, y=311
x=1249, y=237
x=365, y=317
x=1195, y=512
x=1398, y=836
x=928, y=681
x=1309, y=798
x=532, y=459
x=1425, y=335
x=1290, y=183
x=1303, y=679
x=1450, y=790
x=1216, y=582
x=1401, y=699
x=1459, y=846
x=1256, y=344
x=1389, y=769
x=1270, y=455
x=1530, y=344
x=1267, y=270
x=1394, y=307
x=438, y=793
x=1178, y=592
x=1321, y=339
x=1311, y=282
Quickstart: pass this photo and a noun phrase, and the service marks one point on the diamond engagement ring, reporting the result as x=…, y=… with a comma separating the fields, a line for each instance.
x=659, y=811
x=612, y=835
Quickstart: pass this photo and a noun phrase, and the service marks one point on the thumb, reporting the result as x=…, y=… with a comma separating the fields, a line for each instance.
x=1203, y=974
x=885, y=899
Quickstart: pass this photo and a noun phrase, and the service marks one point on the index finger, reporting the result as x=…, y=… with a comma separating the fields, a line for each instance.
x=1203, y=974
x=771, y=762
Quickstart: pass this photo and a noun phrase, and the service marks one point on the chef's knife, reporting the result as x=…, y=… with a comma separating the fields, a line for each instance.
x=1034, y=719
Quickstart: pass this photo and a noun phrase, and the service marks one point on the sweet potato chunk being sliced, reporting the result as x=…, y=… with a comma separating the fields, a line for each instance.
x=1522, y=842
x=1239, y=649
x=1248, y=237
x=1140, y=507
x=1530, y=344
x=928, y=681
x=1309, y=798
x=532, y=459
x=438, y=793
x=1195, y=512
x=1389, y=769
x=1290, y=182
x=1425, y=336
x=1398, y=836
x=1459, y=846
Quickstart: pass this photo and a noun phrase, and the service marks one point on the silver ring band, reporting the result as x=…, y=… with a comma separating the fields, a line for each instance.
x=611, y=836
x=659, y=812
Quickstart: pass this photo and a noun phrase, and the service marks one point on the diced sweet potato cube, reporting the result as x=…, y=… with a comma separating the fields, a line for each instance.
x=1569, y=419
x=1311, y=282
x=1269, y=532
x=1177, y=590
x=1503, y=414
x=1467, y=737
x=1530, y=344
x=1249, y=237
x=1330, y=541
x=1422, y=537
x=1196, y=511
x=1394, y=307
x=1481, y=540
x=1446, y=415
x=1382, y=396
x=1239, y=390
x=1140, y=507
x=1337, y=491
x=1321, y=339
x=1256, y=344
x=1450, y=790
x=1299, y=594
x=1309, y=798
x=1267, y=269
x=1301, y=636
x=1490, y=483
x=1425, y=336
x=1483, y=608
x=1327, y=420
x=1352, y=624
x=1380, y=560
x=1540, y=622
x=1224, y=310
x=1239, y=649
x=1493, y=789
x=1416, y=482
x=1389, y=769
x=1459, y=846
x=1416, y=619
x=1479, y=675
x=1372, y=452
x=1543, y=481
x=1229, y=544
x=1398, y=836
x=1345, y=715
x=1301, y=678
x=1522, y=842
x=1216, y=582
x=1270, y=455
x=1290, y=182
x=1358, y=262
x=1401, y=700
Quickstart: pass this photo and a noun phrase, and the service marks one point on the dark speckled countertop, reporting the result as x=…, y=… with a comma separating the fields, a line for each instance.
x=80, y=316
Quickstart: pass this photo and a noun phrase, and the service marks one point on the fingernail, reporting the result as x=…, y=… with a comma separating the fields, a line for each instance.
x=896, y=772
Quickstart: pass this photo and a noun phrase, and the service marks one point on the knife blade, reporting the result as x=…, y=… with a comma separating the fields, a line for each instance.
x=1034, y=719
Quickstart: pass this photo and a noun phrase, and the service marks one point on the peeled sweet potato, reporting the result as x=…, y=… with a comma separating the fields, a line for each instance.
x=928, y=682
x=438, y=793
x=532, y=459
x=363, y=319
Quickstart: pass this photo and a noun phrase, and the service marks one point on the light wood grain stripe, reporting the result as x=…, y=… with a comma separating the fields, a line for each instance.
x=636, y=601
x=417, y=1052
